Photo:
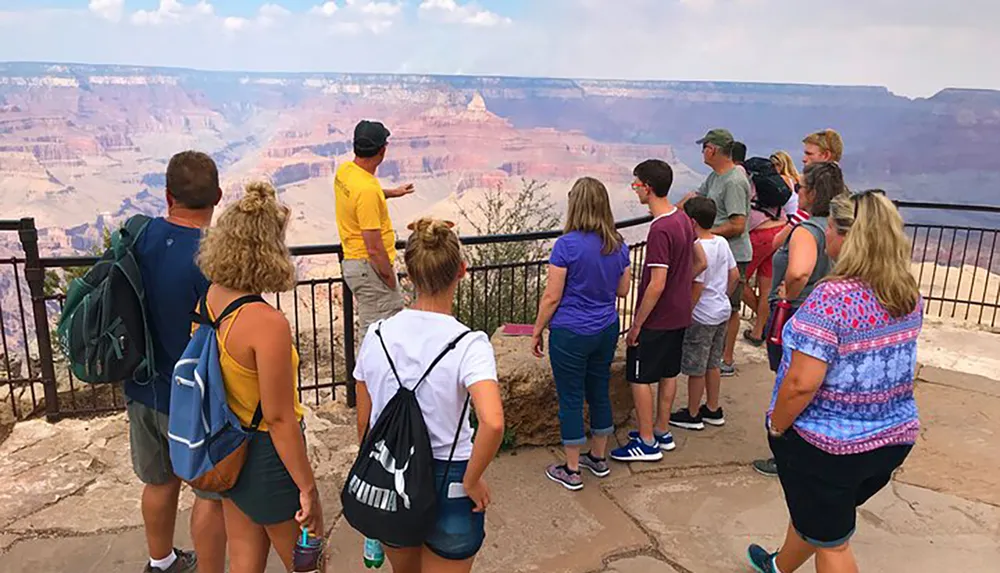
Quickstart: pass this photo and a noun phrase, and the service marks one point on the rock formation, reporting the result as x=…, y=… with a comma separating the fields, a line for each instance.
x=531, y=407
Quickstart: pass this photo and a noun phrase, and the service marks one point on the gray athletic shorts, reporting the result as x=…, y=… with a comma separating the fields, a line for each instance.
x=703, y=346
x=147, y=433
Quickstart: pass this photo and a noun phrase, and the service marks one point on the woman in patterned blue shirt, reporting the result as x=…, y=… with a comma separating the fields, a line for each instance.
x=842, y=416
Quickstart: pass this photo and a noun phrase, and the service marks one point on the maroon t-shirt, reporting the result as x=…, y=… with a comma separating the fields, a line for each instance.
x=670, y=245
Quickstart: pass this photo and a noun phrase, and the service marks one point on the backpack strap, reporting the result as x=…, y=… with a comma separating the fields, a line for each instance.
x=258, y=417
x=447, y=349
x=454, y=445
x=203, y=316
x=451, y=346
x=126, y=236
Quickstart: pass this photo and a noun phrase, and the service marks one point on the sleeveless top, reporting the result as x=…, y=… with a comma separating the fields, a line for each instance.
x=817, y=227
x=242, y=383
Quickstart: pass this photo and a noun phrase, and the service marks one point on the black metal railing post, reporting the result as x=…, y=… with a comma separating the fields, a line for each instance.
x=348, y=308
x=34, y=274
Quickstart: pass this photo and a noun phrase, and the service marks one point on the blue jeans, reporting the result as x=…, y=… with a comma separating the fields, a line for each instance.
x=581, y=366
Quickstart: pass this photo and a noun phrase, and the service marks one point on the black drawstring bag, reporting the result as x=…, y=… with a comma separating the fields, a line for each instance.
x=389, y=494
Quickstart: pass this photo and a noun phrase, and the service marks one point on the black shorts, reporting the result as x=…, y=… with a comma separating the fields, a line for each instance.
x=657, y=357
x=265, y=491
x=823, y=490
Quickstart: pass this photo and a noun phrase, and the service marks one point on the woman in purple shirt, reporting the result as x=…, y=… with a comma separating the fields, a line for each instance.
x=842, y=416
x=587, y=272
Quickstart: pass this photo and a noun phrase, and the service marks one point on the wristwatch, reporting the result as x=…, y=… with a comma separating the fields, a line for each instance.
x=772, y=432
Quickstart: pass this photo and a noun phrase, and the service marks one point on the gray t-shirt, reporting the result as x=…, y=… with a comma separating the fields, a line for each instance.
x=731, y=193
x=817, y=227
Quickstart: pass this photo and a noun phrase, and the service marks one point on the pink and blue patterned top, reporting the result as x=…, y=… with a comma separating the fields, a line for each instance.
x=866, y=400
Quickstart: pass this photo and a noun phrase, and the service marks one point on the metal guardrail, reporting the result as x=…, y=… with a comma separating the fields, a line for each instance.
x=958, y=268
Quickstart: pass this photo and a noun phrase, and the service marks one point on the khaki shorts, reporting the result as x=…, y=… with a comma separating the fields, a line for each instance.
x=736, y=298
x=147, y=432
x=375, y=300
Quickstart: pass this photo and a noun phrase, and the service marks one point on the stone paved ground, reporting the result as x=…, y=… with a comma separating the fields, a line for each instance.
x=69, y=501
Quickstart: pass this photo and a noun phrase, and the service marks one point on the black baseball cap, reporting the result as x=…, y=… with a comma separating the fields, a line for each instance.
x=370, y=136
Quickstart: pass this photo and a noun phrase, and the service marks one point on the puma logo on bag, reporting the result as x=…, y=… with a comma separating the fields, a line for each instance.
x=381, y=453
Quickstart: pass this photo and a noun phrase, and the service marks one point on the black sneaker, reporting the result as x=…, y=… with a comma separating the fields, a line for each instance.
x=760, y=559
x=727, y=370
x=766, y=467
x=186, y=562
x=712, y=418
x=683, y=419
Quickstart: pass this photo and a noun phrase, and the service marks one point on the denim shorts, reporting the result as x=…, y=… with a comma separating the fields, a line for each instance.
x=459, y=532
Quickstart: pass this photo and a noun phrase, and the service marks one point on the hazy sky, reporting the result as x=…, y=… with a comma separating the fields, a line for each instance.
x=915, y=47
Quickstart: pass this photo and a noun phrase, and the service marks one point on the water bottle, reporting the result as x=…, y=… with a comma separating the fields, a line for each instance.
x=307, y=556
x=374, y=556
x=781, y=313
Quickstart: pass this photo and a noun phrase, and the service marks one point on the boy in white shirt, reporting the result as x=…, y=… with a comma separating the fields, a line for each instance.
x=705, y=339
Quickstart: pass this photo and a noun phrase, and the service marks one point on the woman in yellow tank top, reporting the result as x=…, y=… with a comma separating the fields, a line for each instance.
x=244, y=254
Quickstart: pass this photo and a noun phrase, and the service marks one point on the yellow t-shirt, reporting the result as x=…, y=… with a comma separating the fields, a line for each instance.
x=361, y=206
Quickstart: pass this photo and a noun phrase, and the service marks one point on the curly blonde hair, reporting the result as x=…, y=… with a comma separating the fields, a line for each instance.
x=246, y=250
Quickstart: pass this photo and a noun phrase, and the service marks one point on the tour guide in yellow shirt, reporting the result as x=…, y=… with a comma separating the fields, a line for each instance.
x=365, y=229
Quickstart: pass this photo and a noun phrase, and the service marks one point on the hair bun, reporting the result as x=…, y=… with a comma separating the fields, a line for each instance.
x=257, y=194
x=432, y=233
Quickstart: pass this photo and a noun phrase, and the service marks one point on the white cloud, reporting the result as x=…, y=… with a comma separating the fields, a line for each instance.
x=915, y=47
x=358, y=16
x=374, y=8
x=271, y=13
x=235, y=23
x=326, y=9
x=170, y=11
x=452, y=11
x=108, y=9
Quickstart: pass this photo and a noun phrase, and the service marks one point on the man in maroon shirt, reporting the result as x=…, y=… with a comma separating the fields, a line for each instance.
x=656, y=337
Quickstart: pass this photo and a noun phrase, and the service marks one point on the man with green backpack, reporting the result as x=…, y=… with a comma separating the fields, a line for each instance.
x=129, y=319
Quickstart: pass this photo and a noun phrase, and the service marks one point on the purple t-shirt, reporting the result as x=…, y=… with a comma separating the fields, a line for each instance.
x=588, y=301
x=670, y=245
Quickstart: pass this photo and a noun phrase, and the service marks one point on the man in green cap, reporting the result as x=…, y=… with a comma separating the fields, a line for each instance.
x=729, y=187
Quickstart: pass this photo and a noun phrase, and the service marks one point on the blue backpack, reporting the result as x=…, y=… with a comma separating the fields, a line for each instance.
x=208, y=445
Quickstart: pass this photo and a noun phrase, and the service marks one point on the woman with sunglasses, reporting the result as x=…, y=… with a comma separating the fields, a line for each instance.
x=842, y=416
x=801, y=262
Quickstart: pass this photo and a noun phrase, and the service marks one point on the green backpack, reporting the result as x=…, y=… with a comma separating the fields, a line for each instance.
x=103, y=329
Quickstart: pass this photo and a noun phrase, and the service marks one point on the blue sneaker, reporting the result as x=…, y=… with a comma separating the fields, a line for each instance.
x=636, y=451
x=666, y=441
x=760, y=559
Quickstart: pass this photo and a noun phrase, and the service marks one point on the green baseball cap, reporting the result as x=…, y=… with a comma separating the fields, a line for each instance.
x=718, y=137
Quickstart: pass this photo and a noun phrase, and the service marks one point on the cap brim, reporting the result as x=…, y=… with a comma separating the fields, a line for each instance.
x=702, y=141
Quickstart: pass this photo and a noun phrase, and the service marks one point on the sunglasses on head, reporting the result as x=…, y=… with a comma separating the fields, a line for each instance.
x=856, y=197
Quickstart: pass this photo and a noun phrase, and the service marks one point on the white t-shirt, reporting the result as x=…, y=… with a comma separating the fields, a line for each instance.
x=713, y=307
x=792, y=205
x=414, y=339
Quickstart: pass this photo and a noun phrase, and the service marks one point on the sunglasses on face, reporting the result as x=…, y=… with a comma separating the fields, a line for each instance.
x=856, y=198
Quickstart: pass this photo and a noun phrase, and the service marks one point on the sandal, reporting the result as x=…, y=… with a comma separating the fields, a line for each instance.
x=748, y=335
